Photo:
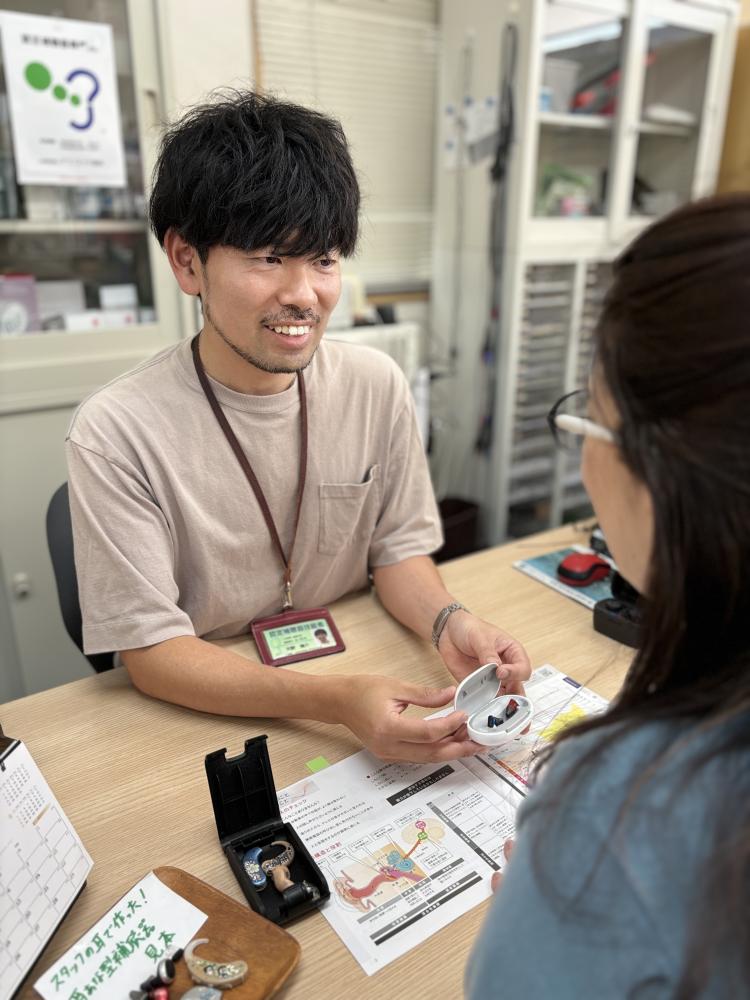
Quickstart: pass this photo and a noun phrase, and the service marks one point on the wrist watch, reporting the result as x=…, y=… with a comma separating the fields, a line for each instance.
x=441, y=620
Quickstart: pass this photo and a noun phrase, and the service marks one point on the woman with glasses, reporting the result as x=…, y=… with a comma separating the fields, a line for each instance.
x=630, y=876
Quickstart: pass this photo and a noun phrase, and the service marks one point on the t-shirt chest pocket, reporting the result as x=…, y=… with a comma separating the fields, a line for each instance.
x=348, y=512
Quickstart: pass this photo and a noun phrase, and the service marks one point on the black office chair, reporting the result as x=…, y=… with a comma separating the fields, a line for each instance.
x=60, y=543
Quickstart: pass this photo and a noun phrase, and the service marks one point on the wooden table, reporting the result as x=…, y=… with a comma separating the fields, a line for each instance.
x=128, y=770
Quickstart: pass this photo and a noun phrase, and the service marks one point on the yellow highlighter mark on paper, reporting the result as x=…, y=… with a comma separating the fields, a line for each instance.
x=574, y=714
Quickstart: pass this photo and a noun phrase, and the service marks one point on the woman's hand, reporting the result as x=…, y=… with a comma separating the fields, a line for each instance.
x=497, y=878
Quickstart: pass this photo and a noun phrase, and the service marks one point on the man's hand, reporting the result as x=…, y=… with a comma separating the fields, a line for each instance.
x=373, y=706
x=467, y=642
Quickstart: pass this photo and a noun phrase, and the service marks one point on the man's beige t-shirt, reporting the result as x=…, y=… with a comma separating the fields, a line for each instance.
x=169, y=538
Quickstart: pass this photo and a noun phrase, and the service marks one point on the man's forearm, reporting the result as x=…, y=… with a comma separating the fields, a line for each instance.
x=190, y=672
x=196, y=674
x=413, y=592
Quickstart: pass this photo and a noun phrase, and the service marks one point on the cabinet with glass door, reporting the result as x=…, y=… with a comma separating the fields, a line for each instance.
x=627, y=100
x=84, y=289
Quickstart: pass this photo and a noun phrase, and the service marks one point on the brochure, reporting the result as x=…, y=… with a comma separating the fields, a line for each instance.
x=408, y=848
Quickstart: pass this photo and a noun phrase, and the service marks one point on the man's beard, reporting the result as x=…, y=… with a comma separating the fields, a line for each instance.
x=251, y=359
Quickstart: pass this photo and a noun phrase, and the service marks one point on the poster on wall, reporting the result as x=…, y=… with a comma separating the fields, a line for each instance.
x=64, y=106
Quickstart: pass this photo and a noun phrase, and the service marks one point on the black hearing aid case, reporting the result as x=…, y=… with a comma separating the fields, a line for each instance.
x=247, y=815
x=621, y=616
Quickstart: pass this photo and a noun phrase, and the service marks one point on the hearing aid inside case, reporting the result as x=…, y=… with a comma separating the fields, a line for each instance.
x=276, y=872
x=494, y=718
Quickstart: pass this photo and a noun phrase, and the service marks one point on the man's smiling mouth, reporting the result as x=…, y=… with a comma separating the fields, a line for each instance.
x=292, y=331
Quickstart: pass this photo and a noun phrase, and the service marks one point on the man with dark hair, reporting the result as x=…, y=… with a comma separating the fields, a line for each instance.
x=255, y=466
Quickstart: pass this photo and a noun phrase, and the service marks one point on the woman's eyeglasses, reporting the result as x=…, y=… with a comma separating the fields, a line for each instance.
x=568, y=422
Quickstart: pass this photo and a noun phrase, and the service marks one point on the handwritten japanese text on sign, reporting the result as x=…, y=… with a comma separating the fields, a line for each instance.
x=151, y=921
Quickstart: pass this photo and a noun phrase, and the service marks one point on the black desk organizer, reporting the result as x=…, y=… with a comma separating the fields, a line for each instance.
x=247, y=815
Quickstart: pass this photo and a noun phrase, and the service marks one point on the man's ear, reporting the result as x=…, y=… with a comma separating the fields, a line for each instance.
x=185, y=262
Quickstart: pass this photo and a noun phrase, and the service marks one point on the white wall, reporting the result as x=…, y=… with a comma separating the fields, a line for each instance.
x=204, y=44
x=459, y=400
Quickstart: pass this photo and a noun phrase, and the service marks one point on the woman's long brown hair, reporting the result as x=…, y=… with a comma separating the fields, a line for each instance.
x=673, y=348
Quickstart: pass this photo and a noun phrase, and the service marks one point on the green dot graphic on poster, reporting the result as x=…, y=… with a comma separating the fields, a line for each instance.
x=38, y=76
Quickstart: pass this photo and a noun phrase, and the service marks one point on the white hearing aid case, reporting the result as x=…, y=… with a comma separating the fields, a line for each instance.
x=479, y=696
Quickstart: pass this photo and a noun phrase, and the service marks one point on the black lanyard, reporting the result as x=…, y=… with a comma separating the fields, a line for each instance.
x=250, y=475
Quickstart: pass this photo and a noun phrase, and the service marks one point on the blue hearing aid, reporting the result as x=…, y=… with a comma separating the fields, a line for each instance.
x=251, y=864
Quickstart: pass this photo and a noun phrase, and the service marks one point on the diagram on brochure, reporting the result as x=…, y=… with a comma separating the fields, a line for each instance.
x=408, y=848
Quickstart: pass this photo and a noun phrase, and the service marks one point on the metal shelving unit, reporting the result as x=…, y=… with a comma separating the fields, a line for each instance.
x=643, y=62
x=619, y=109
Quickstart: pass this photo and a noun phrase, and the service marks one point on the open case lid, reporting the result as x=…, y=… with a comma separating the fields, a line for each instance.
x=243, y=793
x=478, y=689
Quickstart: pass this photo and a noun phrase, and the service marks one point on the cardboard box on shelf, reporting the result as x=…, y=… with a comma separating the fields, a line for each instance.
x=58, y=298
x=123, y=296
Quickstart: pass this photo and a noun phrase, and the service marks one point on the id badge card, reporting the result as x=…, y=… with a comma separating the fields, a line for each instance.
x=296, y=635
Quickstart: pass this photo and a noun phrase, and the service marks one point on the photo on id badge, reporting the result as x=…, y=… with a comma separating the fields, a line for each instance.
x=293, y=636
